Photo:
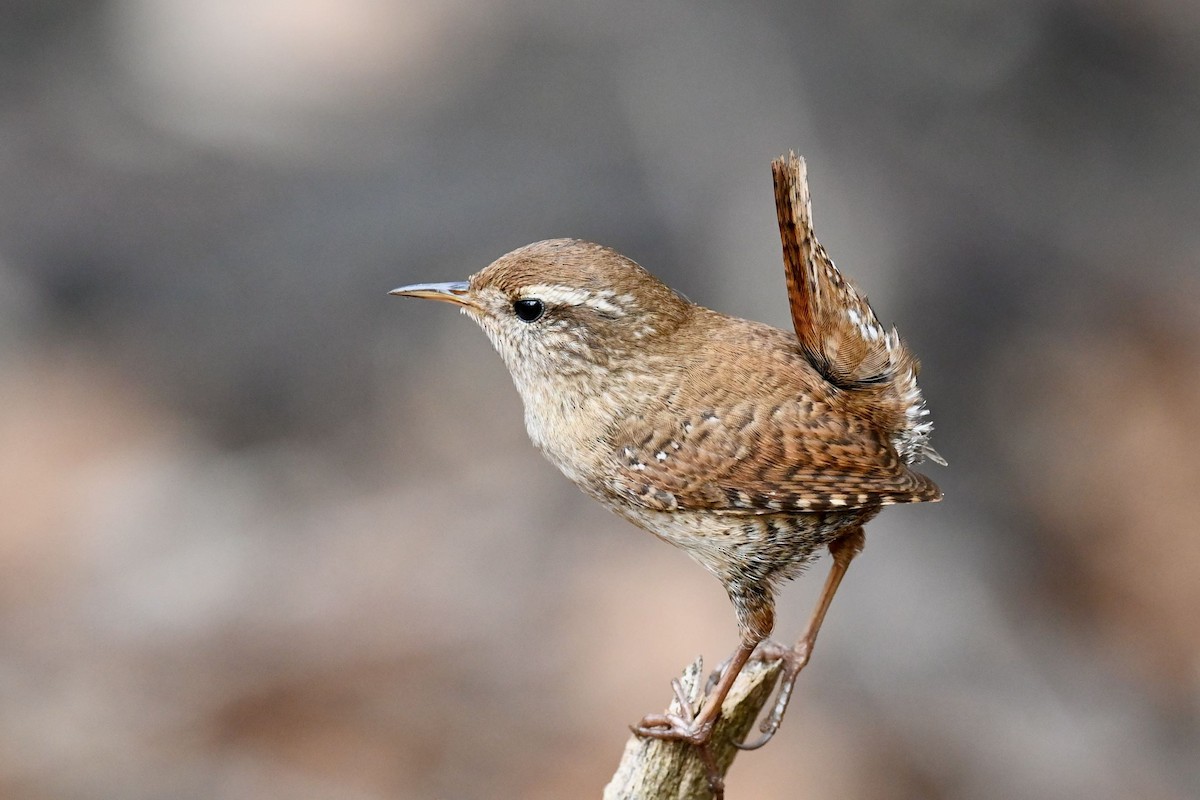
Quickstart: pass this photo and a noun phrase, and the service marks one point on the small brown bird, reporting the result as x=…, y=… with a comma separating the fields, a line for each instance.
x=745, y=446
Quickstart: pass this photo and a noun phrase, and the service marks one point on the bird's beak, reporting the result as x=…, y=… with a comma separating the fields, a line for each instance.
x=456, y=292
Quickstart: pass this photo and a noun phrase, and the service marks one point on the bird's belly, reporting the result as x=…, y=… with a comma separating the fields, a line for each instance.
x=741, y=547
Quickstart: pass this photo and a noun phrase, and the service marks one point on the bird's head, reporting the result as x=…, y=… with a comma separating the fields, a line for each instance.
x=563, y=308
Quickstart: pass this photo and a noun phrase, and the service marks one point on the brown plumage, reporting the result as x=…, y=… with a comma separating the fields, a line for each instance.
x=748, y=447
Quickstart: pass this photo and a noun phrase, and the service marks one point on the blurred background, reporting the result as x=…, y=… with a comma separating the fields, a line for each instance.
x=267, y=532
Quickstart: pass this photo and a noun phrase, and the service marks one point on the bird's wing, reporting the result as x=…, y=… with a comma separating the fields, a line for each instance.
x=759, y=458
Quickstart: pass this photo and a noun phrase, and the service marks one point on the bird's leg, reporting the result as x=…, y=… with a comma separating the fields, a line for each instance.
x=843, y=549
x=698, y=728
x=766, y=650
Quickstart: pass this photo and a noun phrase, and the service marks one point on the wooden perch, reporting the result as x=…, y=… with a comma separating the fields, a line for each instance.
x=652, y=769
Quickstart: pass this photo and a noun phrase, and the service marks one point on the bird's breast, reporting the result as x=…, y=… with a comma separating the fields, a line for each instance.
x=569, y=427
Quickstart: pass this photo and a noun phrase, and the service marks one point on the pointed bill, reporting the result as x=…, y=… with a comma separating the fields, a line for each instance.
x=457, y=292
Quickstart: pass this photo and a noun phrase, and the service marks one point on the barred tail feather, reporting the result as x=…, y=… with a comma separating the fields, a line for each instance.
x=838, y=330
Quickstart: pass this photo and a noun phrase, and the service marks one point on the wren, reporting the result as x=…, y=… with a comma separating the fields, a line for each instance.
x=748, y=447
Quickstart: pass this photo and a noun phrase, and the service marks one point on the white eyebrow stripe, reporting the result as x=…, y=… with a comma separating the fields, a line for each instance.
x=575, y=296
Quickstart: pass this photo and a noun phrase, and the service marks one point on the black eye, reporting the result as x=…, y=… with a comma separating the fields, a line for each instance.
x=529, y=310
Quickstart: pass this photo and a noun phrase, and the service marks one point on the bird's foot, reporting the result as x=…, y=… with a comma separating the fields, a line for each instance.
x=672, y=727
x=769, y=650
x=685, y=726
x=794, y=659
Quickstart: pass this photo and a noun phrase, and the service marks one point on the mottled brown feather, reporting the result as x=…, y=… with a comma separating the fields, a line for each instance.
x=780, y=439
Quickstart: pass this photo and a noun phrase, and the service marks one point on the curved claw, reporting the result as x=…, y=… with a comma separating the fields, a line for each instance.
x=766, y=738
x=651, y=721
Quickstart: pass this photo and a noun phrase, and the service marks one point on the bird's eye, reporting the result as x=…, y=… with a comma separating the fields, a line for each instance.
x=529, y=310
